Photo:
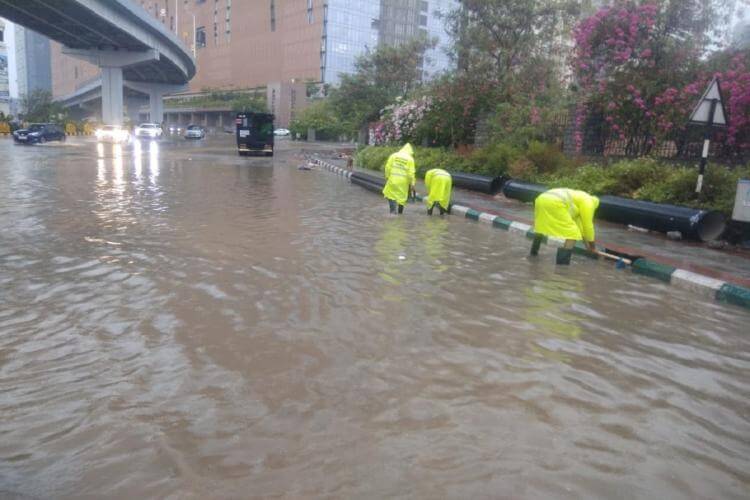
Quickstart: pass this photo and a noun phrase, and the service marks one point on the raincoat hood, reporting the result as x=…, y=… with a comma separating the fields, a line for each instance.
x=407, y=149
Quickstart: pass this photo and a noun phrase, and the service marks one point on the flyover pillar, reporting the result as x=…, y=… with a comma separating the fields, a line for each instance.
x=111, y=95
x=111, y=63
x=156, y=105
x=155, y=93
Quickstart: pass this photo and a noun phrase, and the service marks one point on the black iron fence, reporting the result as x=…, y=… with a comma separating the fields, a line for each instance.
x=596, y=140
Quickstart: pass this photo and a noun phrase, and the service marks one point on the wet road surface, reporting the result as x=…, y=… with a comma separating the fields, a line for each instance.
x=179, y=322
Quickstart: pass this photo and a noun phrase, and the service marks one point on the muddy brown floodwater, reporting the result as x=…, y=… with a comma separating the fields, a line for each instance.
x=178, y=322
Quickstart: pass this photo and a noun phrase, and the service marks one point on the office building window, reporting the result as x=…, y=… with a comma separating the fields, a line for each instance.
x=2, y=35
x=200, y=1
x=228, y=19
x=309, y=11
x=75, y=70
x=423, y=6
x=423, y=20
x=273, y=15
x=200, y=37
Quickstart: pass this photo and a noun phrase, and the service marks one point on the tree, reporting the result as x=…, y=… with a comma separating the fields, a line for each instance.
x=38, y=106
x=249, y=103
x=508, y=53
x=379, y=78
x=628, y=55
x=510, y=43
x=321, y=117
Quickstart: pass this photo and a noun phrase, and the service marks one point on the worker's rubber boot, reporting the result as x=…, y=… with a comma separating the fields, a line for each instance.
x=563, y=256
x=535, y=245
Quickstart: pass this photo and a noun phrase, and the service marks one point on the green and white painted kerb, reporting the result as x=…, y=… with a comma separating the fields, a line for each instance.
x=704, y=286
x=333, y=168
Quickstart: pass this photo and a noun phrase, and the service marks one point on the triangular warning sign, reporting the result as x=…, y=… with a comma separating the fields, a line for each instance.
x=702, y=113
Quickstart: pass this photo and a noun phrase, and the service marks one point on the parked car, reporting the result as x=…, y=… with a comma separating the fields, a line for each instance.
x=112, y=133
x=175, y=129
x=195, y=132
x=281, y=131
x=39, y=133
x=149, y=130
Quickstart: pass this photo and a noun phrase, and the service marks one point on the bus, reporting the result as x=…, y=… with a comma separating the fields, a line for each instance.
x=254, y=133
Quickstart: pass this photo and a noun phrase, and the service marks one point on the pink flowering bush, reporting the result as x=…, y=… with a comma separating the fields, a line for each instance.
x=642, y=86
x=400, y=122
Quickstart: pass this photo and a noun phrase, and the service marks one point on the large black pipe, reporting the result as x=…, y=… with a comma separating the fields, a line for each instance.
x=474, y=182
x=369, y=182
x=703, y=225
x=694, y=224
x=524, y=191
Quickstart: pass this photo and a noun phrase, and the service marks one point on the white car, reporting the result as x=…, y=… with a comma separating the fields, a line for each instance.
x=281, y=131
x=150, y=130
x=112, y=133
x=195, y=132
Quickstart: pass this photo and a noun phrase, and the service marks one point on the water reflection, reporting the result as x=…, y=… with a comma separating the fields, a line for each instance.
x=432, y=237
x=117, y=170
x=137, y=160
x=392, y=251
x=549, y=305
x=153, y=161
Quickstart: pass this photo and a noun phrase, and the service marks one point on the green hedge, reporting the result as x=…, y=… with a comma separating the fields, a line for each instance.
x=643, y=179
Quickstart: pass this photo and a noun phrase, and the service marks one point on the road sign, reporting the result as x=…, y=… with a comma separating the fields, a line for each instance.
x=710, y=113
x=710, y=109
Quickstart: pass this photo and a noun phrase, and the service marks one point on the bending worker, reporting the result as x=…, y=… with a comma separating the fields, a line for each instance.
x=400, y=178
x=439, y=184
x=568, y=214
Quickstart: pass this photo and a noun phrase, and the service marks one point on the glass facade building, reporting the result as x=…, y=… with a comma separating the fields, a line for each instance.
x=352, y=27
x=349, y=30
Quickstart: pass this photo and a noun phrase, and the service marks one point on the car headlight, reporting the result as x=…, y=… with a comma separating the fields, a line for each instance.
x=35, y=134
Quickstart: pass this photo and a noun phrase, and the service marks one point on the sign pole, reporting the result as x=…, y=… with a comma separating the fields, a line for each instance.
x=706, y=146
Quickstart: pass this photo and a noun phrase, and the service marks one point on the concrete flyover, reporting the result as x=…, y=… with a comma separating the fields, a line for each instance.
x=130, y=47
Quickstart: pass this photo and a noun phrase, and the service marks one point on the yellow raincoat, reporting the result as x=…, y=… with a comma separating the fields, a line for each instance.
x=439, y=184
x=400, y=174
x=565, y=213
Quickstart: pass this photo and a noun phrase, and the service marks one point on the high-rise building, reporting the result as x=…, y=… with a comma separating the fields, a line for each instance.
x=4, y=69
x=353, y=27
x=280, y=46
x=24, y=65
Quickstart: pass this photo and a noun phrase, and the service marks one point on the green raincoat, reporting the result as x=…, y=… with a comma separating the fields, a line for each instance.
x=400, y=175
x=439, y=184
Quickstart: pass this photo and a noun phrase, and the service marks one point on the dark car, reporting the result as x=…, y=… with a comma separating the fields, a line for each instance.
x=39, y=133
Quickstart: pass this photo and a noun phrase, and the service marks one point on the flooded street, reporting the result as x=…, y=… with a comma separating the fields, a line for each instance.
x=179, y=322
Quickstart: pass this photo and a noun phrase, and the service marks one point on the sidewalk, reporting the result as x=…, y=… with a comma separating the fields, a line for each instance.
x=729, y=266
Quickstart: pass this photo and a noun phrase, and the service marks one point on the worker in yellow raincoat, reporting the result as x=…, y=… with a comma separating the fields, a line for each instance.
x=568, y=214
x=400, y=176
x=439, y=184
